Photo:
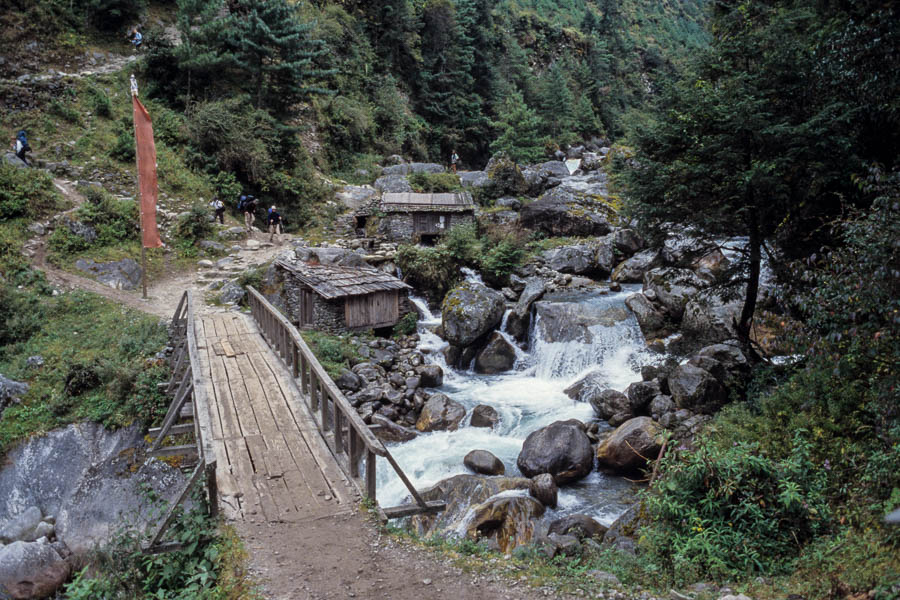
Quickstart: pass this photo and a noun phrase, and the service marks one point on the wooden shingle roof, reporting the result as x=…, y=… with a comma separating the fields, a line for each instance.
x=333, y=281
x=412, y=202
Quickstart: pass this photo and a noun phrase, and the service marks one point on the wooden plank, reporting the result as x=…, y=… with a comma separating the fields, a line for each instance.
x=284, y=500
x=221, y=398
x=228, y=349
x=227, y=484
x=189, y=450
x=256, y=395
x=153, y=432
x=274, y=391
x=214, y=410
x=241, y=398
x=242, y=469
x=218, y=349
x=395, y=512
x=269, y=509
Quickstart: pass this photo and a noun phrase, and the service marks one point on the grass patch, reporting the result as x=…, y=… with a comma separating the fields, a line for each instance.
x=95, y=367
x=334, y=352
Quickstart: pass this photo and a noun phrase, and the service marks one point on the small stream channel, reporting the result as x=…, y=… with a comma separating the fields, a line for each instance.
x=530, y=397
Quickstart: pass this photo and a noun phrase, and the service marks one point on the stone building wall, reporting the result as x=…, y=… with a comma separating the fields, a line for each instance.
x=328, y=315
x=398, y=227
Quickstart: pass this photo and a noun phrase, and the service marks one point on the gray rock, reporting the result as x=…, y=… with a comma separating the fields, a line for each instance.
x=661, y=405
x=22, y=527
x=561, y=449
x=10, y=390
x=233, y=293
x=605, y=578
x=633, y=269
x=696, y=389
x=640, y=394
x=31, y=570
x=560, y=212
x=554, y=168
x=355, y=196
x=509, y=202
x=469, y=311
x=440, y=413
x=389, y=431
x=544, y=489
x=627, y=241
x=430, y=376
x=32, y=362
x=504, y=177
x=587, y=387
x=673, y=287
x=729, y=355
x=37, y=228
x=630, y=446
x=623, y=531
x=682, y=248
x=497, y=356
x=519, y=320
x=709, y=318
x=122, y=274
x=11, y=159
x=606, y=257
x=609, y=403
x=572, y=259
x=393, y=184
x=474, y=179
x=82, y=230
x=484, y=463
x=573, y=321
x=415, y=167
x=205, y=263
x=579, y=525
x=484, y=416
x=566, y=545
x=331, y=256
x=223, y=263
x=651, y=320
x=211, y=245
x=349, y=381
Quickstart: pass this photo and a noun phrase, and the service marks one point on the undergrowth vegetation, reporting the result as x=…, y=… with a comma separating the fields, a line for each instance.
x=333, y=352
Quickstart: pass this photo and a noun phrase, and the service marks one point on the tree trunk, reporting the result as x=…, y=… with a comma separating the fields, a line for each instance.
x=743, y=327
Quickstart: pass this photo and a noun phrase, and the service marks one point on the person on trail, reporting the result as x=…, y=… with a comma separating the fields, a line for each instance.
x=454, y=158
x=219, y=207
x=249, y=207
x=136, y=38
x=21, y=147
x=274, y=223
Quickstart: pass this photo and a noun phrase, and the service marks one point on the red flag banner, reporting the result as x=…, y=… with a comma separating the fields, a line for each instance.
x=146, y=163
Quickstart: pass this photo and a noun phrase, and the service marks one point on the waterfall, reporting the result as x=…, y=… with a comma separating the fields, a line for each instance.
x=471, y=276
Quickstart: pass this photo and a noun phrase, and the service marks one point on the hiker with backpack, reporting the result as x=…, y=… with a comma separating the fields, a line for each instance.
x=274, y=223
x=136, y=38
x=219, y=207
x=21, y=147
x=247, y=205
x=454, y=158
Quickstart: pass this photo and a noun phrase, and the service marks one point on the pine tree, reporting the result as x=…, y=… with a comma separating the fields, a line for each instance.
x=199, y=54
x=276, y=50
x=519, y=128
x=586, y=122
x=557, y=103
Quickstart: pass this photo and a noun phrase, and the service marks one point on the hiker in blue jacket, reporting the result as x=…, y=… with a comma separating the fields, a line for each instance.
x=21, y=147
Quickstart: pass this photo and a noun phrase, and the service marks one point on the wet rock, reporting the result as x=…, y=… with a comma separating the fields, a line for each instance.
x=508, y=522
x=651, y=320
x=544, y=489
x=696, y=389
x=484, y=416
x=661, y=405
x=561, y=212
x=633, y=269
x=469, y=311
x=497, y=356
x=430, y=376
x=484, y=463
x=606, y=257
x=561, y=449
x=460, y=492
x=581, y=526
x=519, y=320
x=572, y=321
x=627, y=241
x=440, y=413
x=122, y=274
x=623, y=531
x=630, y=446
x=609, y=403
x=587, y=388
x=572, y=259
x=31, y=570
x=232, y=293
x=640, y=393
x=389, y=431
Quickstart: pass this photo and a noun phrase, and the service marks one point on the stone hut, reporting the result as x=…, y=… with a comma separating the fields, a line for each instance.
x=339, y=299
x=411, y=217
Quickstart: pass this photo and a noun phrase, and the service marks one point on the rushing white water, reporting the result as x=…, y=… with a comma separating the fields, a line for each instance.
x=526, y=398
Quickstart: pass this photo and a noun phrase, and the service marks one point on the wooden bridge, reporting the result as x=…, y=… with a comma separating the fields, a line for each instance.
x=273, y=438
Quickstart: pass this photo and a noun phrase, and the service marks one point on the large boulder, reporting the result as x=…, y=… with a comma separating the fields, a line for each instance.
x=560, y=212
x=122, y=274
x=612, y=405
x=579, y=525
x=651, y=320
x=712, y=266
x=506, y=521
x=504, y=177
x=22, y=527
x=519, y=320
x=440, y=413
x=484, y=416
x=640, y=394
x=484, y=463
x=554, y=168
x=633, y=269
x=31, y=570
x=696, y=389
x=393, y=184
x=355, y=196
x=469, y=311
x=390, y=431
x=430, y=376
x=497, y=356
x=562, y=449
x=709, y=318
x=673, y=287
x=474, y=179
x=682, y=247
x=587, y=387
x=630, y=446
x=460, y=492
x=414, y=167
x=572, y=259
x=10, y=158
x=10, y=391
x=627, y=241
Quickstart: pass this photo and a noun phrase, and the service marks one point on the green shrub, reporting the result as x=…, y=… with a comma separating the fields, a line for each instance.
x=112, y=15
x=26, y=193
x=114, y=220
x=195, y=225
x=734, y=511
x=431, y=270
x=406, y=325
x=99, y=101
x=20, y=315
x=122, y=148
x=64, y=111
x=333, y=352
x=501, y=260
x=434, y=182
x=463, y=244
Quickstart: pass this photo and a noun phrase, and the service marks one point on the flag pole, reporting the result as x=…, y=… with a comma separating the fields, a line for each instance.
x=134, y=92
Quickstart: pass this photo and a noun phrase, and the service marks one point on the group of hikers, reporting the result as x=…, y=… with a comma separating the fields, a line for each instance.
x=247, y=205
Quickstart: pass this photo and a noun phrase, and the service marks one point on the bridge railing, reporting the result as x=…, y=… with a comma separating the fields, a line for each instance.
x=349, y=438
x=188, y=391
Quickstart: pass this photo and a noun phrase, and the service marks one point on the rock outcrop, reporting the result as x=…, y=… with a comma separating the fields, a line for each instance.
x=561, y=449
x=630, y=446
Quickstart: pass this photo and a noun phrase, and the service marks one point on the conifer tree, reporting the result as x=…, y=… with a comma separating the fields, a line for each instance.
x=519, y=128
x=199, y=53
x=586, y=122
x=557, y=103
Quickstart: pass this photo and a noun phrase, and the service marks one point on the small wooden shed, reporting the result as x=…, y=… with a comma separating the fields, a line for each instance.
x=412, y=217
x=338, y=299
